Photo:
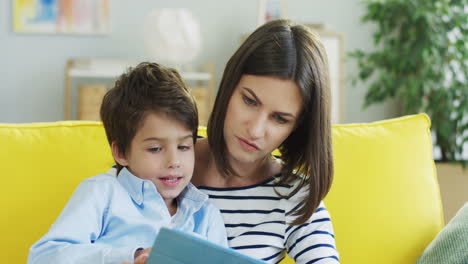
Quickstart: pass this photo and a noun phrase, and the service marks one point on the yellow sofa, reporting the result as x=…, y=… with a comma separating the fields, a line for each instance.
x=385, y=201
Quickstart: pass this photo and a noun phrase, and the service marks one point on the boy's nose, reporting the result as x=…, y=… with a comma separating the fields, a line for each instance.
x=173, y=164
x=173, y=160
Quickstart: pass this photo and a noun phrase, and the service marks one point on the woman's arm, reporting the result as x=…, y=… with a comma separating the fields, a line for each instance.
x=313, y=240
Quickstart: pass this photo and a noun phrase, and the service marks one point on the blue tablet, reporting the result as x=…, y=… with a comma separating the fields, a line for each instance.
x=177, y=247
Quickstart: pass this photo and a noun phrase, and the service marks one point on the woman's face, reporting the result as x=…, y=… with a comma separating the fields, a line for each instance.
x=261, y=114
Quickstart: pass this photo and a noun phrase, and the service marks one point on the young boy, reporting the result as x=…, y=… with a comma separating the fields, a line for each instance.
x=151, y=123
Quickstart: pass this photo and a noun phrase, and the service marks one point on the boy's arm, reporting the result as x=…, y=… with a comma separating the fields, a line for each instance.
x=71, y=239
x=216, y=231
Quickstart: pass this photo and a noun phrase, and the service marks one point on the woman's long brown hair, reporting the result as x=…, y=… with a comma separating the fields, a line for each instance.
x=288, y=51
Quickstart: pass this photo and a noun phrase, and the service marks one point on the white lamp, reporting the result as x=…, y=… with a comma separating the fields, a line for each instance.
x=172, y=36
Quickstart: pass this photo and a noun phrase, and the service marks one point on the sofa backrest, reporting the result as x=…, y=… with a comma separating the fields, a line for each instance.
x=384, y=203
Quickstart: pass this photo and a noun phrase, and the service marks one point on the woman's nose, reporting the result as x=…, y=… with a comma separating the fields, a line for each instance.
x=257, y=126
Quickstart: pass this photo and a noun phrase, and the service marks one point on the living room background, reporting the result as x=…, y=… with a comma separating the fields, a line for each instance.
x=32, y=65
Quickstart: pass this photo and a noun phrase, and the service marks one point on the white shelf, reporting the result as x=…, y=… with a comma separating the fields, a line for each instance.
x=113, y=69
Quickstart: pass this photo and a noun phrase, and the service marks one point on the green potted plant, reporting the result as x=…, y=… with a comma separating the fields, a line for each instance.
x=421, y=58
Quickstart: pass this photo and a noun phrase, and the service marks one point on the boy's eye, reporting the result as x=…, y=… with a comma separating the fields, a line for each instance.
x=184, y=147
x=248, y=100
x=280, y=119
x=155, y=149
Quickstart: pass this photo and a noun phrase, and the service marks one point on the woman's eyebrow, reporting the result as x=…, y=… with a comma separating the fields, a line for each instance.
x=286, y=114
x=253, y=95
x=260, y=102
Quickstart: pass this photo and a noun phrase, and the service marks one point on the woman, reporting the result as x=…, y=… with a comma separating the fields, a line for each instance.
x=274, y=94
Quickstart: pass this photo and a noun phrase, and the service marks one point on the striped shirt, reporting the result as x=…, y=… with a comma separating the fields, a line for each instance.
x=256, y=223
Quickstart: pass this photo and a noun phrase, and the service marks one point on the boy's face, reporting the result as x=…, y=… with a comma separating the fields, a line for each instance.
x=162, y=152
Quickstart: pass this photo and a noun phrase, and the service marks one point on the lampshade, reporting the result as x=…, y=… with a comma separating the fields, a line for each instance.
x=172, y=36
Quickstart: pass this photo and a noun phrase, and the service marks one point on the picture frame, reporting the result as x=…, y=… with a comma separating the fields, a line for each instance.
x=334, y=45
x=61, y=16
x=271, y=9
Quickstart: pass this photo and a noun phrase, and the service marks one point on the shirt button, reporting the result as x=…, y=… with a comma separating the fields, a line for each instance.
x=146, y=185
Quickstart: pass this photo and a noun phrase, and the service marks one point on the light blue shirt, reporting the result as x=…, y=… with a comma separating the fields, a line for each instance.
x=108, y=218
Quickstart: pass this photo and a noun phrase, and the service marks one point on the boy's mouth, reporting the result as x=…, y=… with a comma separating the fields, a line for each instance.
x=171, y=181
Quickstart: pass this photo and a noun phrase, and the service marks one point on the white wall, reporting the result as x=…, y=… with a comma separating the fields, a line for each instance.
x=32, y=65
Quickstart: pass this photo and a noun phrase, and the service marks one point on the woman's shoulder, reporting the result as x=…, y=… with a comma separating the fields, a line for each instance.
x=297, y=200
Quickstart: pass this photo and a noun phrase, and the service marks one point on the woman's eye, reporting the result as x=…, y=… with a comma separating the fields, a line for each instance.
x=154, y=150
x=280, y=119
x=184, y=147
x=248, y=100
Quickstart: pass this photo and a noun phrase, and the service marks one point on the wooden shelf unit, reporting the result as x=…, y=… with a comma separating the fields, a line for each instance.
x=90, y=95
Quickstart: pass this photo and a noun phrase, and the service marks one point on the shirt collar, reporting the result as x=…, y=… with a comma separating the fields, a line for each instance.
x=132, y=184
x=190, y=197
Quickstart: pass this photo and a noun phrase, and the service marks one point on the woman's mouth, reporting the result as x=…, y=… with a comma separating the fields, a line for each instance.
x=247, y=145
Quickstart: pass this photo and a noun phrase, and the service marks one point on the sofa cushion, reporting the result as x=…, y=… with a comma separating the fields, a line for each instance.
x=451, y=245
x=385, y=202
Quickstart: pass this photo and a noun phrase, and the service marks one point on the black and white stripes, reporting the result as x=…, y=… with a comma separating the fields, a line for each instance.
x=256, y=223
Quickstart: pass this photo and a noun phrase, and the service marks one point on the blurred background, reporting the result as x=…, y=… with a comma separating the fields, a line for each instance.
x=33, y=64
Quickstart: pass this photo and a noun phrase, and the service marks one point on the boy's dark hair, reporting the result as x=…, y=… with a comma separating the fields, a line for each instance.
x=289, y=51
x=147, y=88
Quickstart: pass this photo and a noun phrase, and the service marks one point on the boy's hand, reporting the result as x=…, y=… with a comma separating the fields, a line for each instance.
x=141, y=256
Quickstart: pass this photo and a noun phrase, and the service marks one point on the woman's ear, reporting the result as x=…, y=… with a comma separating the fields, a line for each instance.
x=119, y=157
